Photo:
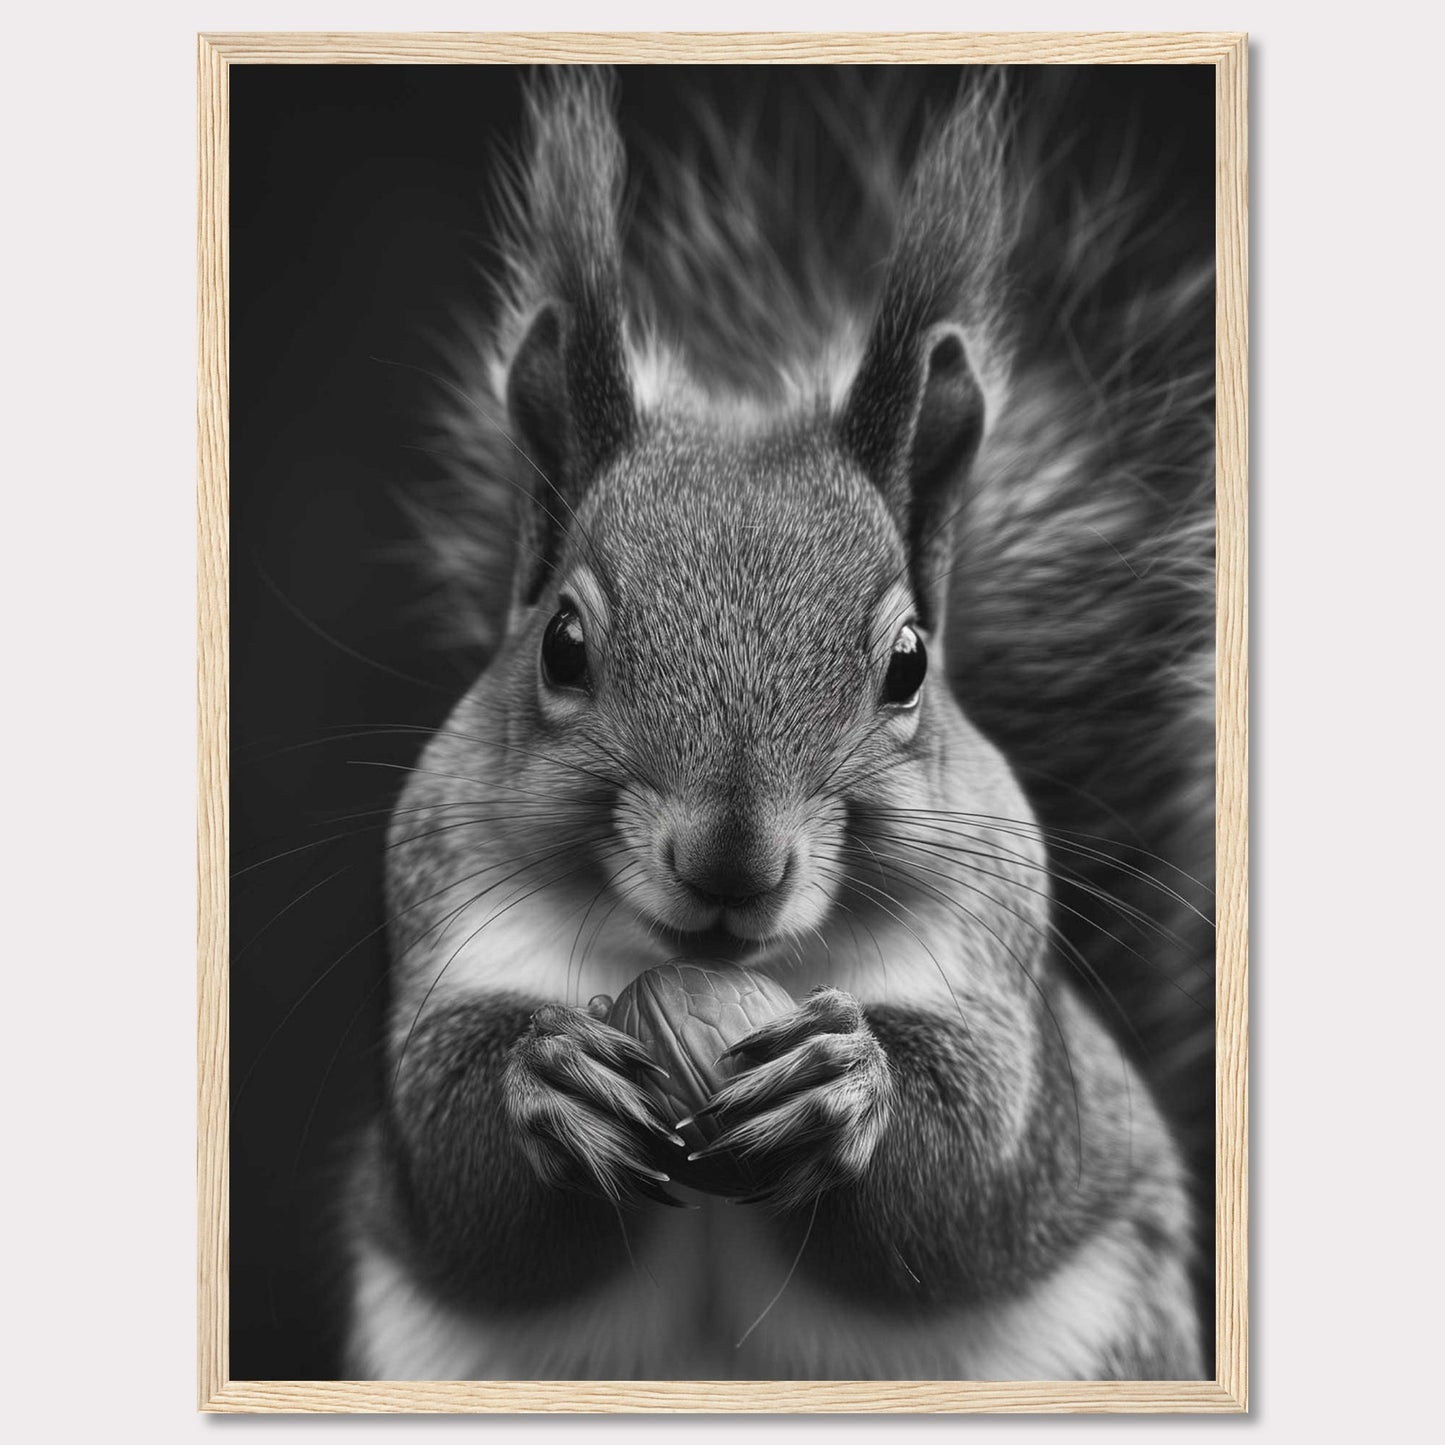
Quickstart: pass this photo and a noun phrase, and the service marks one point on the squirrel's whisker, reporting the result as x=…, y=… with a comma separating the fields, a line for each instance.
x=954, y=856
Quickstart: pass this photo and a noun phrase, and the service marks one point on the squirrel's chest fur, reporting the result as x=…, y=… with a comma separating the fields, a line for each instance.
x=713, y=1295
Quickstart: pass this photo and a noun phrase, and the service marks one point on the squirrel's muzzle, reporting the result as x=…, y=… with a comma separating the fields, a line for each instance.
x=724, y=862
x=745, y=866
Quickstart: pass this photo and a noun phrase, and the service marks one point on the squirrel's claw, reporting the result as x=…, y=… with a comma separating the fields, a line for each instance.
x=583, y=1120
x=808, y=1116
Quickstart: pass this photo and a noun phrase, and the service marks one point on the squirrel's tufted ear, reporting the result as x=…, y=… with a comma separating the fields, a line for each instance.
x=913, y=421
x=915, y=415
x=568, y=388
x=569, y=404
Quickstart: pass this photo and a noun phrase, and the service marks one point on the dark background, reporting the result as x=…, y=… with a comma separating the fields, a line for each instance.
x=358, y=224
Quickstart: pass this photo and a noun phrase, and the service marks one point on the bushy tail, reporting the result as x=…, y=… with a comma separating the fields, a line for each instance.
x=1082, y=611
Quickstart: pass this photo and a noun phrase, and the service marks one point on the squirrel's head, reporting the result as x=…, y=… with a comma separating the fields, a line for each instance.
x=730, y=628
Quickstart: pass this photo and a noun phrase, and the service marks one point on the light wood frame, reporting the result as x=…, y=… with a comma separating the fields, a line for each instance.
x=1228, y=1391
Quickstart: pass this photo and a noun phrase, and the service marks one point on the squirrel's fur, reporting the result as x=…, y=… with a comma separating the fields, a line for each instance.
x=697, y=406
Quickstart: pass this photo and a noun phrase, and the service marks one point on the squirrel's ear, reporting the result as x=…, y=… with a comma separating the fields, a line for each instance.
x=568, y=389
x=569, y=404
x=913, y=421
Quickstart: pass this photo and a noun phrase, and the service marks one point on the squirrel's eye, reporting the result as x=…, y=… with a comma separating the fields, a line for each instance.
x=906, y=668
x=564, y=651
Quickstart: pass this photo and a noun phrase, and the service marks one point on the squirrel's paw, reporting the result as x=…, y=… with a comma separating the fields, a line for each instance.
x=808, y=1114
x=571, y=1089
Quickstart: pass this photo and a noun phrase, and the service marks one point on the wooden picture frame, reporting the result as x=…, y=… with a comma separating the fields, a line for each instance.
x=1228, y=1391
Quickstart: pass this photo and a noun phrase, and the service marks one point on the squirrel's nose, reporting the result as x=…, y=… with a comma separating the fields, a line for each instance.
x=721, y=872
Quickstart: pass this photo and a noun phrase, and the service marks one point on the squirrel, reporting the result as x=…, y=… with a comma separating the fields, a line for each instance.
x=858, y=631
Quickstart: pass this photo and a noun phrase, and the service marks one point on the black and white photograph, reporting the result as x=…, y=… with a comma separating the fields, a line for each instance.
x=723, y=712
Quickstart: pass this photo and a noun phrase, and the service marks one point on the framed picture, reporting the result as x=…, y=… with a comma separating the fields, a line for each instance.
x=723, y=723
